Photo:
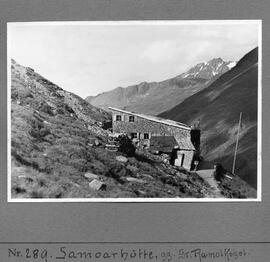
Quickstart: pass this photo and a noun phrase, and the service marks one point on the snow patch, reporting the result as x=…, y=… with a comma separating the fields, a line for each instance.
x=219, y=65
x=231, y=65
x=185, y=75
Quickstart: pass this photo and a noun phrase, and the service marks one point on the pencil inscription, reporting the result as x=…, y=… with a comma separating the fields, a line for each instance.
x=71, y=253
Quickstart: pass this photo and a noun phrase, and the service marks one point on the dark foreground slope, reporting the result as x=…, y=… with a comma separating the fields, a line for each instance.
x=156, y=97
x=52, y=133
x=218, y=107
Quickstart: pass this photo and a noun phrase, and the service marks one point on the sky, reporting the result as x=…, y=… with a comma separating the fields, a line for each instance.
x=91, y=58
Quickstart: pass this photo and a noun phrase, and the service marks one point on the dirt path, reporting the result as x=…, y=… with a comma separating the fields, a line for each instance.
x=208, y=176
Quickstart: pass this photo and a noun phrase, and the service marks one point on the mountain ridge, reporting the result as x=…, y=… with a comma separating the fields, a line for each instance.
x=208, y=70
x=156, y=97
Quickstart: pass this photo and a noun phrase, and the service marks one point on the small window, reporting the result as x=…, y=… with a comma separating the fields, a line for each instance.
x=118, y=118
x=131, y=118
x=146, y=136
x=134, y=135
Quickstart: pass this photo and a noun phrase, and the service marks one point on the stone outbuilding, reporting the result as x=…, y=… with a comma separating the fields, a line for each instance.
x=159, y=134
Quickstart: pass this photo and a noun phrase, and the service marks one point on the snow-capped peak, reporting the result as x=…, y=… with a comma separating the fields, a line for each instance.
x=207, y=70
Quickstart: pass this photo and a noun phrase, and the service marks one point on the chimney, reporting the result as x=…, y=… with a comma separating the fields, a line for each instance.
x=196, y=136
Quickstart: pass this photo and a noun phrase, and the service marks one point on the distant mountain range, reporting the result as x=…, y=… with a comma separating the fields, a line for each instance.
x=156, y=97
x=218, y=107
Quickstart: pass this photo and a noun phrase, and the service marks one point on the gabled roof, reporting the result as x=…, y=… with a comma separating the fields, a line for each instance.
x=162, y=143
x=154, y=119
x=185, y=144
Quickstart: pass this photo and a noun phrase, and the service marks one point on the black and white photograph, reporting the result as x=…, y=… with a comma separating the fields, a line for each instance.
x=134, y=111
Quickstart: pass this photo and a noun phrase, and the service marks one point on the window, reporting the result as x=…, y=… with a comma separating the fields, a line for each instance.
x=134, y=135
x=146, y=136
x=131, y=118
x=118, y=118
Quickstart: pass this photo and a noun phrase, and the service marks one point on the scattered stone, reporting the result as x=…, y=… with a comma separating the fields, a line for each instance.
x=136, y=180
x=91, y=141
x=133, y=168
x=185, y=184
x=141, y=192
x=165, y=158
x=28, y=179
x=147, y=176
x=97, y=185
x=181, y=176
x=96, y=142
x=91, y=176
x=121, y=159
x=155, y=152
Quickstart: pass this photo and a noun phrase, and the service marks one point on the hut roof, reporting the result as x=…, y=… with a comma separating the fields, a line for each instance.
x=162, y=143
x=154, y=118
x=185, y=144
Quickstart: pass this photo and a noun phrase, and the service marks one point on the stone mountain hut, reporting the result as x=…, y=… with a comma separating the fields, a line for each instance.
x=157, y=134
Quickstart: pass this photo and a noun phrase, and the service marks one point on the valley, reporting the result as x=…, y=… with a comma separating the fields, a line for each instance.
x=58, y=150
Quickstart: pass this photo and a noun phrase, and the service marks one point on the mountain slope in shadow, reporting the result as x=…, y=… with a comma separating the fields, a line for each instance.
x=218, y=107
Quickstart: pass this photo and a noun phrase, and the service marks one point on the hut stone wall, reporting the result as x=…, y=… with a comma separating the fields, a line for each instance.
x=142, y=126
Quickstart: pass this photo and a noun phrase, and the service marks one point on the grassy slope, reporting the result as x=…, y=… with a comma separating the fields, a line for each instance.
x=50, y=149
x=218, y=108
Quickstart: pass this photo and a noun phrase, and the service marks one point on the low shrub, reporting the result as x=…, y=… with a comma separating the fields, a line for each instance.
x=45, y=108
x=126, y=146
x=118, y=172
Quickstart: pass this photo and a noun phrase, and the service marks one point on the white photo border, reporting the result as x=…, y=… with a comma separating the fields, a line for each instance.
x=257, y=22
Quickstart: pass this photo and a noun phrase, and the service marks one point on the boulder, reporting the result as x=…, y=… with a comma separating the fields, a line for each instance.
x=136, y=180
x=133, y=168
x=96, y=142
x=97, y=185
x=147, y=176
x=141, y=193
x=91, y=176
x=181, y=176
x=91, y=141
x=121, y=159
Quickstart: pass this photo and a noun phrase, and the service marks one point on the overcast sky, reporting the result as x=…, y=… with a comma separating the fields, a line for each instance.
x=88, y=59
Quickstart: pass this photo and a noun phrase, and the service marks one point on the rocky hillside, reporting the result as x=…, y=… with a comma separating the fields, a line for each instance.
x=210, y=69
x=58, y=151
x=156, y=97
x=218, y=107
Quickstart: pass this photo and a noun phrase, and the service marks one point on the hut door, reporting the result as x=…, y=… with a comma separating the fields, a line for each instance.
x=181, y=158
